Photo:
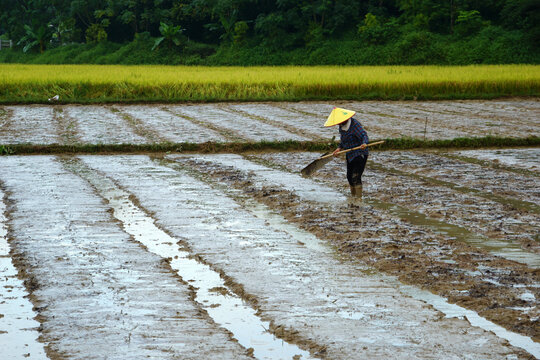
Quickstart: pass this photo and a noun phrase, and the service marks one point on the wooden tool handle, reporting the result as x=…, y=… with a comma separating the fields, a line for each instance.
x=351, y=149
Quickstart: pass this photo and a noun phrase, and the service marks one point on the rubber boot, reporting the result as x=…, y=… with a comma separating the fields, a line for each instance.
x=356, y=191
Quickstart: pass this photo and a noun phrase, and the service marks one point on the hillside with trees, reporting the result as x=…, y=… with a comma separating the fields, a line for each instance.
x=264, y=32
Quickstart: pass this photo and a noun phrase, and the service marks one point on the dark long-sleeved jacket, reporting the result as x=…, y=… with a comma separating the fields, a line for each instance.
x=353, y=137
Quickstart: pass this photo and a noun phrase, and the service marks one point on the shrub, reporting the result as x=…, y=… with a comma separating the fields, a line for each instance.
x=417, y=48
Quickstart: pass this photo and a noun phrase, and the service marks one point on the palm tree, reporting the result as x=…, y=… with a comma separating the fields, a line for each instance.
x=172, y=34
x=33, y=38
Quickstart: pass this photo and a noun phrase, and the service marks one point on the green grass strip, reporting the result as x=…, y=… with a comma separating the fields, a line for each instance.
x=242, y=147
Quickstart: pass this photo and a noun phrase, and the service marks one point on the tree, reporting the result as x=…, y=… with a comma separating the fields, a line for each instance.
x=468, y=23
x=525, y=15
x=96, y=33
x=34, y=37
x=240, y=30
x=170, y=34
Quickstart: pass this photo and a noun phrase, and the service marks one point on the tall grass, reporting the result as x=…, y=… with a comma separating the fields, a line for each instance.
x=112, y=83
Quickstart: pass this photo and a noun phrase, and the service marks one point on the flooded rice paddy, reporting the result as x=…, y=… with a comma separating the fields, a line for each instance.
x=199, y=123
x=229, y=256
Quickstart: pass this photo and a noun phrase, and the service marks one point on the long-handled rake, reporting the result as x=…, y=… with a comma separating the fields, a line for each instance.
x=324, y=159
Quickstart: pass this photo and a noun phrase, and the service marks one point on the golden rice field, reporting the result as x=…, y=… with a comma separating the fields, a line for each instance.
x=108, y=83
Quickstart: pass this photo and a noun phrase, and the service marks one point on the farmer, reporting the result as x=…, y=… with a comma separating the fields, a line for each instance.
x=352, y=135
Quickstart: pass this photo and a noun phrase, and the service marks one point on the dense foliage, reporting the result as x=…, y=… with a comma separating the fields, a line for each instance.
x=245, y=32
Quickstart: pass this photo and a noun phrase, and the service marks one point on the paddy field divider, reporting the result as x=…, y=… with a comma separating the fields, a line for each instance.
x=262, y=146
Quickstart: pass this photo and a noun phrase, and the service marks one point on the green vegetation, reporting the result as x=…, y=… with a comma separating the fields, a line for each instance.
x=115, y=83
x=6, y=150
x=242, y=147
x=261, y=32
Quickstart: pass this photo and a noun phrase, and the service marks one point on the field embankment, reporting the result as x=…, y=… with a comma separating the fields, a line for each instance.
x=246, y=147
x=113, y=83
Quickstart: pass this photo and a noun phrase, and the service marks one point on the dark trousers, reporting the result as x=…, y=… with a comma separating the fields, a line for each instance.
x=355, y=169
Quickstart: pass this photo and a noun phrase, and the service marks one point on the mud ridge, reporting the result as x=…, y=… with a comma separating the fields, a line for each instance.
x=67, y=127
x=139, y=127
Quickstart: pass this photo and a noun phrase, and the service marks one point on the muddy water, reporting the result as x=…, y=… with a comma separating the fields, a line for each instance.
x=465, y=175
x=309, y=124
x=212, y=293
x=263, y=121
x=170, y=127
x=99, y=125
x=18, y=328
x=244, y=127
x=484, y=222
x=304, y=292
x=98, y=292
x=395, y=245
x=29, y=124
x=528, y=159
x=445, y=119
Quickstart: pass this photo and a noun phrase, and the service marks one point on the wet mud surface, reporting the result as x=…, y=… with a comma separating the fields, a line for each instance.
x=98, y=293
x=295, y=288
x=467, y=176
x=169, y=127
x=497, y=226
x=498, y=289
x=230, y=256
x=18, y=326
x=117, y=248
x=441, y=119
x=29, y=124
x=510, y=159
x=115, y=124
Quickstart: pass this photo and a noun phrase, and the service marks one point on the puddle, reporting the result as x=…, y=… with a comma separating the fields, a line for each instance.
x=226, y=309
x=18, y=329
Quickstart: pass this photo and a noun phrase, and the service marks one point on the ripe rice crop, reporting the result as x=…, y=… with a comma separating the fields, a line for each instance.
x=118, y=83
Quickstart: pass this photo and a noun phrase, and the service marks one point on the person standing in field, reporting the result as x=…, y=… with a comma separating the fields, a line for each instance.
x=352, y=135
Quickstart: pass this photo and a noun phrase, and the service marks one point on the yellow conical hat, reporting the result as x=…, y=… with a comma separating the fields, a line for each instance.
x=339, y=115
